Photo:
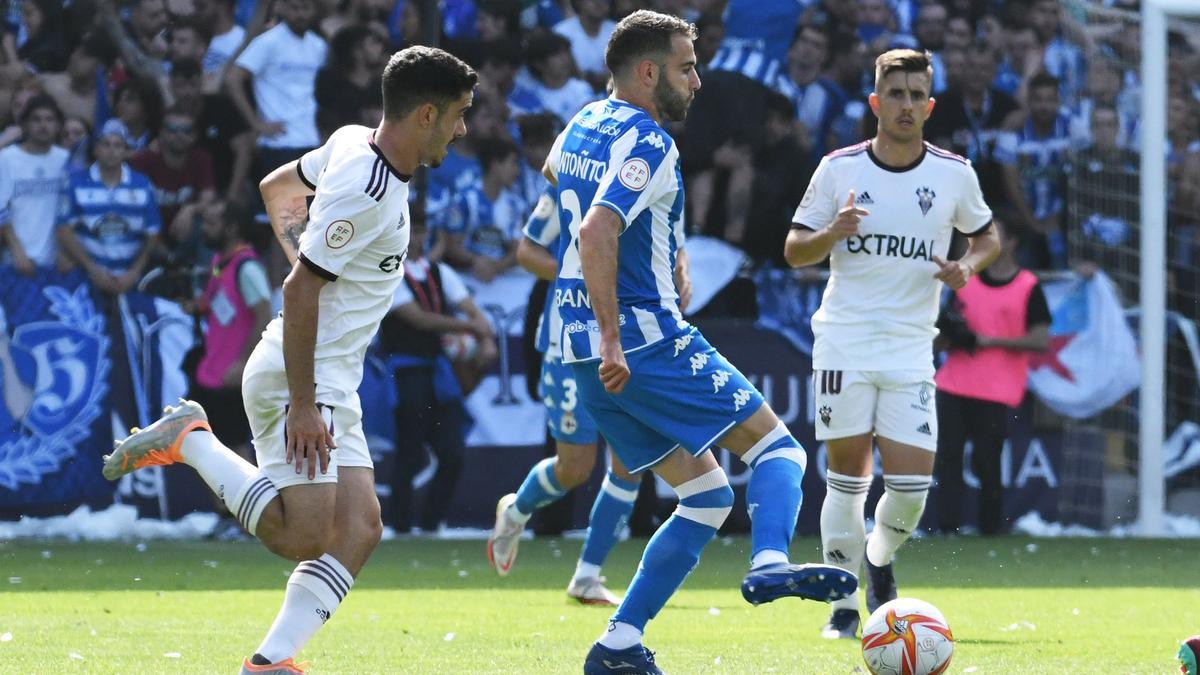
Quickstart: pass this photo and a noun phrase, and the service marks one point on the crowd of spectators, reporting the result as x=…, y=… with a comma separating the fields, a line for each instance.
x=123, y=121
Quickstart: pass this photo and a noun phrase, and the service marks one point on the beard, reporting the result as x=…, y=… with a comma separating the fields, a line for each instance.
x=671, y=104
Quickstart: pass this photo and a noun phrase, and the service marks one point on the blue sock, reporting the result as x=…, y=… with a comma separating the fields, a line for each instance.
x=609, y=514
x=674, y=550
x=539, y=488
x=774, y=494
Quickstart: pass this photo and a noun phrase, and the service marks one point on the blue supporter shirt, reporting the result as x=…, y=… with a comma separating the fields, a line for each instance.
x=1041, y=162
x=758, y=34
x=457, y=172
x=613, y=154
x=112, y=224
x=488, y=227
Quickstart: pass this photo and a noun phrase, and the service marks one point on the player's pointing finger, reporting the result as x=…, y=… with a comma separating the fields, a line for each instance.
x=850, y=200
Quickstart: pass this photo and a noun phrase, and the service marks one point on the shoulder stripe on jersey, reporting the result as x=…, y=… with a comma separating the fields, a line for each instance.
x=374, y=177
x=944, y=153
x=849, y=150
x=377, y=186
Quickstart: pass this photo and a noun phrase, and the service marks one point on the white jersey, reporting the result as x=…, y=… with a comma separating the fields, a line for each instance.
x=880, y=305
x=357, y=239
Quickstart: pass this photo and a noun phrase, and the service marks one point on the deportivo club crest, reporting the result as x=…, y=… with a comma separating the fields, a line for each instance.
x=60, y=391
x=826, y=414
x=925, y=199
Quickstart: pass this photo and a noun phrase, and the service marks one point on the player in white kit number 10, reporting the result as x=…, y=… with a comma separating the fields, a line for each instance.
x=311, y=498
x=883, y=211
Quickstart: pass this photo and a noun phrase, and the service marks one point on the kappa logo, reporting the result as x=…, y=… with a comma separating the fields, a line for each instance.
x=924, y=429
x=740, y=398
x=720, y=379
x=826, y=414
x=925, y=197
x=681, y=343
x=864, y=198
x=654, y=140
x=698, y=361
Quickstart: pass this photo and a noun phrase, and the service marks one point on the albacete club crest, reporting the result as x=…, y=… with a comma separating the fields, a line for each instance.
x=925, y=197
x=826, y=414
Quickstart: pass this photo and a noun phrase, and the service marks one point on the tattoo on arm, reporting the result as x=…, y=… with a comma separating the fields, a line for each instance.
x=291, y=225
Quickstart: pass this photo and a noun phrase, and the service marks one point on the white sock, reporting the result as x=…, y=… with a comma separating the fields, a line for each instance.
x=843, y=532
x=586, y=571
x=767, y=556
x=514, y=514
x=245, y=491
x=223, y=470
x=621, y=635
x=896, y=516
x=314, y=591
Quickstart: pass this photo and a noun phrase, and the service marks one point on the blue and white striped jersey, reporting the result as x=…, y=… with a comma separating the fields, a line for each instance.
x=112, y=224
x=613, y=154
x=542, y=228
x=758, y=34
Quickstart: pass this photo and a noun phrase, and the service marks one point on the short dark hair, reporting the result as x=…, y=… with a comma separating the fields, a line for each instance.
x=537, y=127
x=903, y=60
x=641, y=34
x=418, y=74
x=1043, y=80
x=494, y=150
x=186, y=68
x=502, y=51
x=541, y=46
x=237, y=213
x=198, y=27
x=40, y=102
x=780, y=105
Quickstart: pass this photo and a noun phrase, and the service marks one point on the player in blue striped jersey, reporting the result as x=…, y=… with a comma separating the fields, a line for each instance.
x=575, y=438
x=658, y=392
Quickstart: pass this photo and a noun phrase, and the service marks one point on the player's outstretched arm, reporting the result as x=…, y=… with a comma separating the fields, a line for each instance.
x=598, y=249
x=809, y=247
x=284, y=194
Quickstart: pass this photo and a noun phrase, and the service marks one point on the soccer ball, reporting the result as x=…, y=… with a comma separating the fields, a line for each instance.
x=907, y=637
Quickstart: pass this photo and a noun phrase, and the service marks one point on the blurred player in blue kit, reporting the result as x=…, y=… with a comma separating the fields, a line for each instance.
x=657, y=391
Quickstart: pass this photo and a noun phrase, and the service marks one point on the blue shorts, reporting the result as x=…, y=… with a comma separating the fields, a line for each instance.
x=681, y=393
x=568, y=421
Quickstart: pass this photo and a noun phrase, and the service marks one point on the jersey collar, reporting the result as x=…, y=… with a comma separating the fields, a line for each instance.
x=379, y=153
x=896, y=169
x=94, y=173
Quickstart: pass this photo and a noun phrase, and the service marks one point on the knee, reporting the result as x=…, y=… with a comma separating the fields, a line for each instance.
x=707, y=499
x=298, y=549
x=573, y=471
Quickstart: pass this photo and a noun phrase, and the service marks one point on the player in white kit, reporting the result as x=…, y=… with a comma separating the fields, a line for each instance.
x=883, y=211
x=312, y=496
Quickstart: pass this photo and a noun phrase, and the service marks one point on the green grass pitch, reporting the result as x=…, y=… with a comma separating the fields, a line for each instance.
x=1016, y=605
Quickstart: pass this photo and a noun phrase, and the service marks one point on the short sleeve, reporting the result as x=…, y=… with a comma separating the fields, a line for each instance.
x=1037, y=312
x=452, y=285
x=341, y=225
x=819, y=204
x=68, y=208
x=555, y=154
x=543, y=225
x=641, y=168
x=253, y=283
x=971, y=213
x=1006, y=148
x=256, y=54
x=312, y=163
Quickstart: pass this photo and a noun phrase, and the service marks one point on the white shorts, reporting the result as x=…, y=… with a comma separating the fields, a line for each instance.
x=896, y=404
x=265, y=395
